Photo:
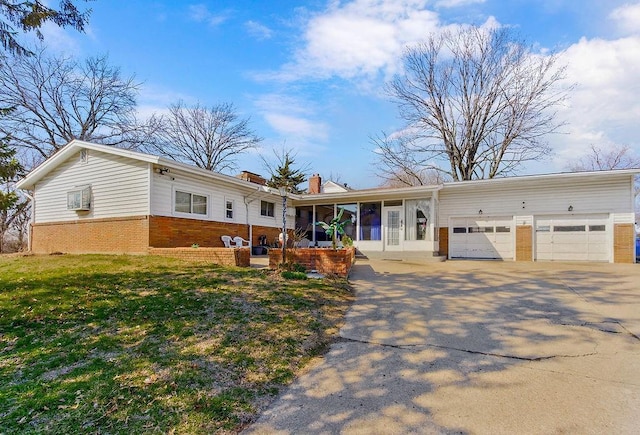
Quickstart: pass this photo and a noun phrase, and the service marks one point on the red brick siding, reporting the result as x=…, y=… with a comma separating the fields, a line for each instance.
x=172, y=232
x=443, y=235
x=223, y=256
x=623, y=243
x=524, y=243
x=111, y=235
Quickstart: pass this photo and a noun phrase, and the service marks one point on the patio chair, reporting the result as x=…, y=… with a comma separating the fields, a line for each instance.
x=226, y=240
x=239, y=242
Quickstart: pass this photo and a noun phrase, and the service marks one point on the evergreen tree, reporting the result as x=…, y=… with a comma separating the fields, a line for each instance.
x=284, y=174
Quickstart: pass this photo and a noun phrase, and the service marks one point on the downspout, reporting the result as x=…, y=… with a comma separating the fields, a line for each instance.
x=31, y=219
x=246, y=215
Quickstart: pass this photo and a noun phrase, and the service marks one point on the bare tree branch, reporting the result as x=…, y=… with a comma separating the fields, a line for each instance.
x=58, y=99
x=210, y=138
x=477, y=102
x=601, y=159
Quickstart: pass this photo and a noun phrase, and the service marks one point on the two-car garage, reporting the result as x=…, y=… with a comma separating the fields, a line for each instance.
x=555, y=238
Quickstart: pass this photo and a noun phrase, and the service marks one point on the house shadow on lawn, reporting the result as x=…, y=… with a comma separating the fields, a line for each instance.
x=474, y=347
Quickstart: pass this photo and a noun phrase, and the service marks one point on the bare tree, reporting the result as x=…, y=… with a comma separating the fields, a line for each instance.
x=600, y=159
x=477, y=103
x=58, y=99
x=210, y=138
x=29, y=16
x=613, y=157
x=400, y=166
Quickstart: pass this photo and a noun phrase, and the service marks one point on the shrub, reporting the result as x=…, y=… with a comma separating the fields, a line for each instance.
x=288, y=274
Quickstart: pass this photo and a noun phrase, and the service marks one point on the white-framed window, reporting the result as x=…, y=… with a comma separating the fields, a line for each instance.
x=192, y=203
x=267, y=208
x=79, y=198
x=228, y=208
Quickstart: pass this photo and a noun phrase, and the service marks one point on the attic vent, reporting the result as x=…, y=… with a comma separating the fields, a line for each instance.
x=84, y=156
x=79, y=199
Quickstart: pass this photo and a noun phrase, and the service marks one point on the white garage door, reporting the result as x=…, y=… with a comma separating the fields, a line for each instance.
x=490, y=237
x=570, y=238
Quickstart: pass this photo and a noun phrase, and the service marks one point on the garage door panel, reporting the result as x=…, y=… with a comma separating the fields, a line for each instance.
x=573, y=238
x=484, y=238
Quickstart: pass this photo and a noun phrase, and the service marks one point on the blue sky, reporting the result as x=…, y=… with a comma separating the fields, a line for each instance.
x=311, y=74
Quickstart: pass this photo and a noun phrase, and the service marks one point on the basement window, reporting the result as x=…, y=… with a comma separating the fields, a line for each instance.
x=79, y=199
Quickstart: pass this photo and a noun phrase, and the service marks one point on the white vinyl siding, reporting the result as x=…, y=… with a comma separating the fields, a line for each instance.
x=610, y=195
x=218, y=194
x=119, y=187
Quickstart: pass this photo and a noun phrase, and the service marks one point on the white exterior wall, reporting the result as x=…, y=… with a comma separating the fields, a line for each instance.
x=163, y=189
x=119, y=188
x=539, y=197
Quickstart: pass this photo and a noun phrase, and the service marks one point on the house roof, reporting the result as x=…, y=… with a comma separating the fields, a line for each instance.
x=419, y=191
x=74, y=146
x=337, y=196
x=560, y=176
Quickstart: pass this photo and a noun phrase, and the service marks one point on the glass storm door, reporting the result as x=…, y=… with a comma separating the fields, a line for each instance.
x=393, y=229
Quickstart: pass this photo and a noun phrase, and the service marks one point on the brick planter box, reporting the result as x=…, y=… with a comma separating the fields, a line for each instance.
x=223, y=256
x=324, y=260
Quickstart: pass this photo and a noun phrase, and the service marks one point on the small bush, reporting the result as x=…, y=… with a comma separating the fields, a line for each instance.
x=292, y=267
x=288, y=274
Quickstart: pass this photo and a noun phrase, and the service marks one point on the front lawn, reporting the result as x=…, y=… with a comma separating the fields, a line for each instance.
x=139, y=344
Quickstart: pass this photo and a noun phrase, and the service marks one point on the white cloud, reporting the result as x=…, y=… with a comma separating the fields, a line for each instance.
x=257, y=30
x=456, y=3
x=294, y=120
x=360, y=38
x=604, y=108
x=296, y=128
x=200, y=13
x=627, y=18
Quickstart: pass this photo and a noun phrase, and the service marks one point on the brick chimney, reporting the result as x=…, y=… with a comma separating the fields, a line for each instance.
x=315, y=184
x=251, y=177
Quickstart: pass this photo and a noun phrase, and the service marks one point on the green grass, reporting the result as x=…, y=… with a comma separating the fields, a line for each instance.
x=137, y=344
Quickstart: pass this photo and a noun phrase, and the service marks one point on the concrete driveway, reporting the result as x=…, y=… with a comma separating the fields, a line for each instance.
x=476, y=347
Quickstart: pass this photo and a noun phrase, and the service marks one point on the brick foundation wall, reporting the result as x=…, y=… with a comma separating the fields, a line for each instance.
x=623, y=243
x=113, y=235
x=224, y=256
x=524, y=243
x=443, y=236
x=172, y=232
x=323, y=260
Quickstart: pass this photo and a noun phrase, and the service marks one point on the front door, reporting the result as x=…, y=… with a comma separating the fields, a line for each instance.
x=393, y=228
